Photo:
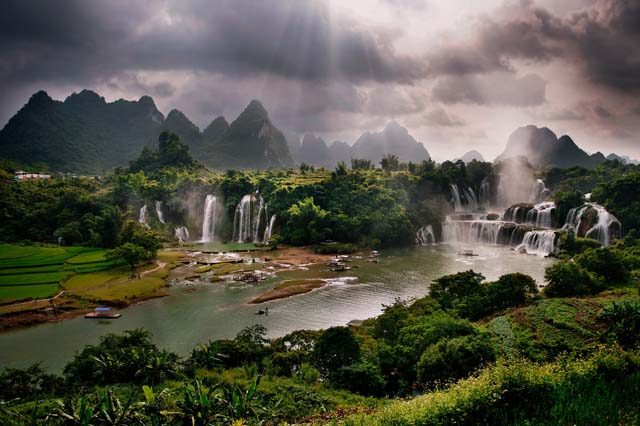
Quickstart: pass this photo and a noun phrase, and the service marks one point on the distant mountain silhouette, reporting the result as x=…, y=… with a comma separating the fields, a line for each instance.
x=341, y=151
x=394, y=139
x=314, y=151
x=83, y=134
x=542, y=147
x=250, y=142
x=470, y=156
x=86, y=134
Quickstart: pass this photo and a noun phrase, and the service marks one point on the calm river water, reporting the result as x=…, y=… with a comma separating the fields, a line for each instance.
x=193, y=315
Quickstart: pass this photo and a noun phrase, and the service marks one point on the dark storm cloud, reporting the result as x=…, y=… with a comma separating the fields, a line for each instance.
x=492, y=89
x=73, y=40
x=602, y=41
x=439, y=117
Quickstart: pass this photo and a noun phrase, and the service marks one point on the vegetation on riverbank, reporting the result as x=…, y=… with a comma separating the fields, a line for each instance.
x=478, y=352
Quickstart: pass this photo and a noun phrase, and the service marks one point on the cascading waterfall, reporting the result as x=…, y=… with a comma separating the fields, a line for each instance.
x=457, y=203
x=159, y=211
x=143, y=217
x=540, y=243
x=473, y=231
x=182, y=233
x=425, y=235
x=540, y=192
x=540, y=215
x=209, y=219
x=604, y=230
x=465, y=201
x=250, y=218
x=269, y=229
x=485, y=192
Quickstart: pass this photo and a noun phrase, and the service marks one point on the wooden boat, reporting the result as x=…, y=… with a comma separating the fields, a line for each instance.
x=102, y=313
x=466, y=253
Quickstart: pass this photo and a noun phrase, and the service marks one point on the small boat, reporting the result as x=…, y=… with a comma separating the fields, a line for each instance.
x=102, y=313
x=467, y=253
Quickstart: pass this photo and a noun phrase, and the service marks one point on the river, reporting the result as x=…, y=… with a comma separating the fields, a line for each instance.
x=191, y=315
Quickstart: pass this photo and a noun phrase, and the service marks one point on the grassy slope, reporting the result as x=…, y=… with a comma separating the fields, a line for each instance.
x=601, y=388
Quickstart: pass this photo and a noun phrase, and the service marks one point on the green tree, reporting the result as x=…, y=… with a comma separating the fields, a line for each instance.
x=335, y=348
x=567, y=278
x=131, y=253
x=307, y=221
x=361, y=164
x=455, y=358
x=390, y=162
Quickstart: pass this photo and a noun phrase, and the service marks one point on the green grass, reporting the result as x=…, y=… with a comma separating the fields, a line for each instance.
x=603, y=390
x=91, y=256
x=32, y=266
x=34, y=278
x=27, y=291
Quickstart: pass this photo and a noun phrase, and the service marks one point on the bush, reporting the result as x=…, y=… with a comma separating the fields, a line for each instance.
x=364, y=378
x=455, y=358
x=606, y=263
x=566, y=279
x=624, y=323
x=510, y=290
x=335, y=348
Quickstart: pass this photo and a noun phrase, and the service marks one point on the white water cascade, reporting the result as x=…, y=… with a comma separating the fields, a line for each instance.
x=465, y=201
x=540, y=215
x=541, y=243
x=425, y=235
x=604, y=230
x=209, y=219
x=143, y=217
x=472, y=231
x=250, y=217
x=540, y=192
x=269, y=229
x=182, y=233
x=159, y=211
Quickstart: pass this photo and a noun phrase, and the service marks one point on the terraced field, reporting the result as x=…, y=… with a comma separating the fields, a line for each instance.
x=36, y=271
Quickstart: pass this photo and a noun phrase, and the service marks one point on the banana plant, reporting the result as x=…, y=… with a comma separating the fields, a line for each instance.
x=152, y=406
x=78, y=414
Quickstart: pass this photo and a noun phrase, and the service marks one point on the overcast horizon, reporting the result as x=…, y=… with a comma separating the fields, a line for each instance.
x=460, y=77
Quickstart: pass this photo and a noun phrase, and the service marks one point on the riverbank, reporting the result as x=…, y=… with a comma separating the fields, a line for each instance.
x=81, y=293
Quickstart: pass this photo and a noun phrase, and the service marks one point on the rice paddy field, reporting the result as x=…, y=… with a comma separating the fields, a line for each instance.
x=34, y=272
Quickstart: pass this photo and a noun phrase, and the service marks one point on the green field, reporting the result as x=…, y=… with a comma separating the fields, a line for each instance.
x=36, y=271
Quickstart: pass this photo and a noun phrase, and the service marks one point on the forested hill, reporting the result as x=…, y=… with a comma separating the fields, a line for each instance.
x=83, y=134
x=87, y=135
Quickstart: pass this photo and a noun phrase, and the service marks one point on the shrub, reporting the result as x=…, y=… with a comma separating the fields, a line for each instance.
x=567, y=279
x=606, y=264
x=364, y=378
x=454, y=358
x=335, y=348
x=336, y=249
x=624, y=323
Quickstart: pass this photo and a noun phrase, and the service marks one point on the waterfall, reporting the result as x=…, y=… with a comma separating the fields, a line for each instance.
x=249, y=218
x=209, y=221
x=465, y=201
x=540, y=243
x=485, y=192
x=159, y=211
x=540, y=214
x=457, y=203
x=473, y=231
x=604, y=230
x=425, y=235
x=539, y=192
x=182, y=233
x=269, y=229
x=143, y=217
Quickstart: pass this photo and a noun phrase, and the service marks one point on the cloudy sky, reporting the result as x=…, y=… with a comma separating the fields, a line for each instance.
x=459, y=74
